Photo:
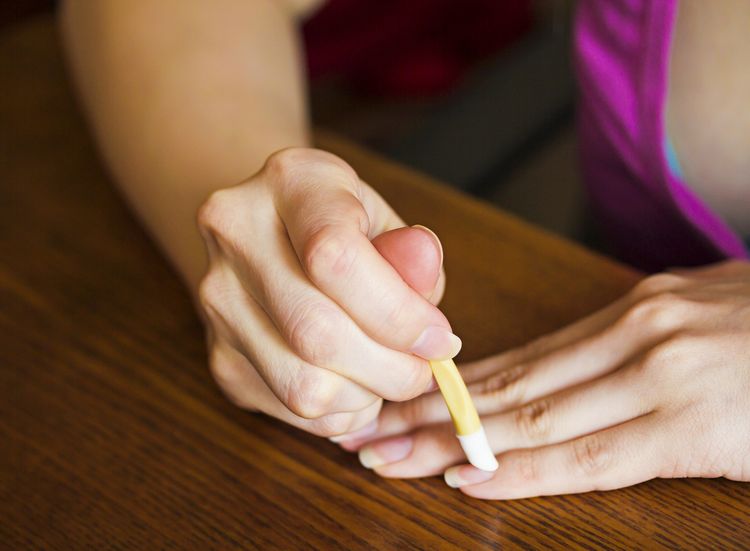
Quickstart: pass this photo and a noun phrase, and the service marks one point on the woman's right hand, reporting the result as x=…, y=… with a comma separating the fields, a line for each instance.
x=319, y=303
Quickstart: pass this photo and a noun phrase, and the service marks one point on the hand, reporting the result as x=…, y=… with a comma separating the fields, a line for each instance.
x=318, y=302
x=655, y=385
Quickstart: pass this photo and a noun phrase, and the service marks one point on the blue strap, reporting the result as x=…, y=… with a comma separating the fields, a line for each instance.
x=672, y=161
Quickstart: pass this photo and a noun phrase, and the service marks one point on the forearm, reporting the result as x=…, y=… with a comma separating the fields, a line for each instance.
x=185, y=97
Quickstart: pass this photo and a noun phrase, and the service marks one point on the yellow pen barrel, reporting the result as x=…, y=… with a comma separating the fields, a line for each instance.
x=456, y=395
x=469, y=429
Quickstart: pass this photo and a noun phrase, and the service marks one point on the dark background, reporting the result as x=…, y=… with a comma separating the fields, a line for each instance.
x=483, y=102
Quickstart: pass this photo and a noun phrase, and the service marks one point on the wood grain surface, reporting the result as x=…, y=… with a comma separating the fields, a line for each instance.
x=113, y=435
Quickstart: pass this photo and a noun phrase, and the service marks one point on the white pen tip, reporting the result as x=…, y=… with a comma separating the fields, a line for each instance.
x=478, y=451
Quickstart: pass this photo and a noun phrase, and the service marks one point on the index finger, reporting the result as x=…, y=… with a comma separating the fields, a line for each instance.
x=323, y=210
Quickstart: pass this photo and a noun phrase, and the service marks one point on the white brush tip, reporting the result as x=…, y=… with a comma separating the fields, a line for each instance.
x=478, y=451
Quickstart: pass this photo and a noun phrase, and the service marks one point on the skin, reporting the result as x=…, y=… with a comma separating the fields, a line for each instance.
x=707, y=116
x=319, y=303
x=655, y=385
x=610, y=401
x=301, y=328
x=198, y=108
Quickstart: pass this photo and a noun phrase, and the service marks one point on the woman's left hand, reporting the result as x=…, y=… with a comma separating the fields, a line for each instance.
x=655, y=385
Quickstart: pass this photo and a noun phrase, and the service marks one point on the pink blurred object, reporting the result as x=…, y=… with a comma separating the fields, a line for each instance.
x=414, y=48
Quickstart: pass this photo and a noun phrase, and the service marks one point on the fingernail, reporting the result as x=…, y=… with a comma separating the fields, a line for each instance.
x=433, y=386
x=436, y=343
x=385, y=452
x=465, y=475
x=368, y=430
x=434, y=236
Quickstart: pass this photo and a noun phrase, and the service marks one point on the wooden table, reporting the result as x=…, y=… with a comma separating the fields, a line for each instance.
x=113, y=435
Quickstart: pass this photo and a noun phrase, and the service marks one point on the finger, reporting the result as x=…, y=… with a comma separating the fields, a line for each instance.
x=437, y=295
x=398, y=418
x=550, y=367
x=584, y=328
x=426, y=452
x=572, y=412
x=384, y=219
x=312, y=325
x=244, y=387
x=328, y=226
x=309, y=391
x=640, y=327
x=613, y=458
x=416, y=254
x=547, y=344
x=503, y=373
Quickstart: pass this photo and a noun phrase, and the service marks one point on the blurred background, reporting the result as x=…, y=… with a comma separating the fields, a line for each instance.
x=477, y=93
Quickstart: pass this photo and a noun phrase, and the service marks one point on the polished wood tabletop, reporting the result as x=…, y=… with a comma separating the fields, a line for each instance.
x=113, y=435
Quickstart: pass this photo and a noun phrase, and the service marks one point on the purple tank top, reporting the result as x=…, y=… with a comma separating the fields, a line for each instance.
x=653, y=219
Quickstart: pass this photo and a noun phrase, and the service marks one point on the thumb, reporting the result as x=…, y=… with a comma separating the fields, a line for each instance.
x=416, y=254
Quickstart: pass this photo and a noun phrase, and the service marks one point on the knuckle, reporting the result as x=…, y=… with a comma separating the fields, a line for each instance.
x=229, y=378
x=534, y=421
x=314, y=333
x=333, y=424
x=591, y=456
x=283, y=163
x=507, y=387
x=679, y=348
x=676, y=353
x=215, y=214
x=398, y=316
x=660, y=312
x=212, y=292
x=224, y=372
x=223, y=219
x=658, y=283
x=313, y=394
x=528, y=466
x=287, y=165
x=416, y=376
x=329, y=254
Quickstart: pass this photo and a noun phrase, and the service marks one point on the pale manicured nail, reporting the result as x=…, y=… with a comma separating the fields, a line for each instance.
x=368, y=430
x=434, y=236
x=385, y=452
x=465, y=475
x=436, y=343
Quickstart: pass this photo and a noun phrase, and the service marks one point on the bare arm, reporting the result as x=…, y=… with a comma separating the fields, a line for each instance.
x=185, y=97
x=188, y=98
x=707, y=117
